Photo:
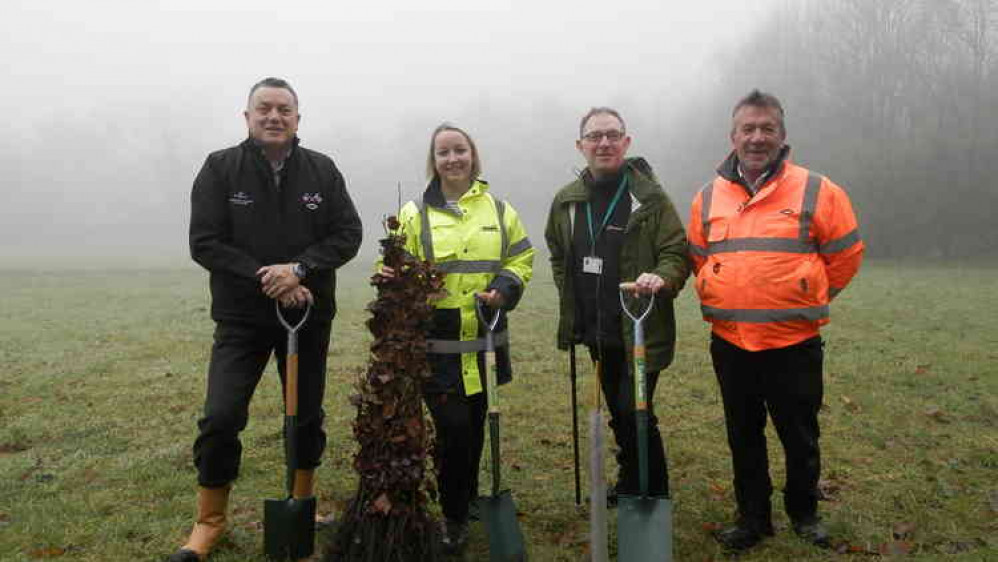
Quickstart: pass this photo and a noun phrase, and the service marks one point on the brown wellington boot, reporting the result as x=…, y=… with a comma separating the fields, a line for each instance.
x=212, y=504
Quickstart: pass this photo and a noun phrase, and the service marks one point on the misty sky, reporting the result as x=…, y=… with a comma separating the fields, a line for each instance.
x=112, y=106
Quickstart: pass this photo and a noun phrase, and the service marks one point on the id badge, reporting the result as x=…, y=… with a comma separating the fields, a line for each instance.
x=592, y=264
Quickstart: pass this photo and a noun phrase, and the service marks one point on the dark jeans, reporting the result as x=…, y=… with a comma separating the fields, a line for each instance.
x=786, y=382
x=238, y=358
x=618, y=388
x=459, y=423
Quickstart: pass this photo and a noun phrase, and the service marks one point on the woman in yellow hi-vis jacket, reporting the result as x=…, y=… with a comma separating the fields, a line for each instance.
x=481, y=245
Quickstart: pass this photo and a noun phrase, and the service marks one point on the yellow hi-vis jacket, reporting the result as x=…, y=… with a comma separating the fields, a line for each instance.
x=480, y=248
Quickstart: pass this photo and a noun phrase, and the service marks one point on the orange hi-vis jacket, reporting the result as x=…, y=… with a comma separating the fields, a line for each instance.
x=767, y=265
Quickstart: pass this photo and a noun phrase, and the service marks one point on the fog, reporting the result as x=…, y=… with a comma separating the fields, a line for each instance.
x=112, y=106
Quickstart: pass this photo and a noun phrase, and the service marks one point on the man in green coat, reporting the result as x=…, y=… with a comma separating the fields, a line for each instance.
x=615, y=223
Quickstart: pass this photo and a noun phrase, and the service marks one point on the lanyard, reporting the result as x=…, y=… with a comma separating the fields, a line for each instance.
x=606, y=217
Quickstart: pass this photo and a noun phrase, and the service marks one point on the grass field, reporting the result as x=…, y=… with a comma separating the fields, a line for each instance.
x=103, y=378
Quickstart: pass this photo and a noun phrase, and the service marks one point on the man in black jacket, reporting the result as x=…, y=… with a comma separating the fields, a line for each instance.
x=270, y=221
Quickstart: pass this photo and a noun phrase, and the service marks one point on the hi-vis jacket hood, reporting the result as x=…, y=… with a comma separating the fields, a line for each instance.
x=768, y=264
x=654, y=242
x=480, y=248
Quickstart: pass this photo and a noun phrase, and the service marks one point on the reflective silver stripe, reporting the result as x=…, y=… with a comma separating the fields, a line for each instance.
x=840, y=244
x=698, y=250
x=511, y=275
x=469, y=266
x=706, y=195
x=501, y=339
x=500, y=212
x=788, y=245
x=425, y=236
x=812, y=314
x=810, y=203
x=520, y=247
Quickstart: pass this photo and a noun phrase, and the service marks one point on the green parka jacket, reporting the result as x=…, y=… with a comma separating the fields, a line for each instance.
x=655, y=242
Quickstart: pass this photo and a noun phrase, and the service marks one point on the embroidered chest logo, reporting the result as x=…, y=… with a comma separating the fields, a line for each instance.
x=240, y=198
x=311, y=200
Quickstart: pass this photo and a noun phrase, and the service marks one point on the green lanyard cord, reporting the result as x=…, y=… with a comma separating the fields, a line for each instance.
x=606, y=217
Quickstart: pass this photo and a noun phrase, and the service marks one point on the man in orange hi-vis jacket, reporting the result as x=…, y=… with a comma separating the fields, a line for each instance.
x=772, y=244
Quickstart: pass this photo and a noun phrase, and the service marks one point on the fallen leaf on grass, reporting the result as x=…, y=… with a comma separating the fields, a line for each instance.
x=903, y=530
x=11, y=448
x=922, y=369
x=4, y=519
x=572, y=538
x=895, y=548
x=936, y=414
x=49, y=552
x=849, y=404
x=846, y=548
x=716, y=492
x=828, y=488
x=711, y=526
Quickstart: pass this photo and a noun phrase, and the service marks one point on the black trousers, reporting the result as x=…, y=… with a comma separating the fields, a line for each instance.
x=459, y=422
x=617, y=382
x=238, y=358
x=786, y=383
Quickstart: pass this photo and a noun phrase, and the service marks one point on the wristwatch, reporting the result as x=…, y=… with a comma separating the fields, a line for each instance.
x=300, y=270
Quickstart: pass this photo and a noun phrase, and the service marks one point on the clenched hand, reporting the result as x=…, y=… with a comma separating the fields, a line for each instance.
x=278, y=279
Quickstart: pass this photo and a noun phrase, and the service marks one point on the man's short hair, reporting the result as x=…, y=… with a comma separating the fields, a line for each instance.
x=757, y=98
x=271, y=82
x=601, y=111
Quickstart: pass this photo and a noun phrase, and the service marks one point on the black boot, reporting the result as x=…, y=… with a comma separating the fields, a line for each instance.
x=744, y=534
x=812, y=530
x=453, y=537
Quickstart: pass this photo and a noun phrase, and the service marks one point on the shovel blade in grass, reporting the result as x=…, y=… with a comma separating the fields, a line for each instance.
x=289, y=528
x=505, y=538
x=644, y=529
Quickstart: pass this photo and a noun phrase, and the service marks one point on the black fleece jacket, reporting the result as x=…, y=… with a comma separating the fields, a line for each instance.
x=241, y=221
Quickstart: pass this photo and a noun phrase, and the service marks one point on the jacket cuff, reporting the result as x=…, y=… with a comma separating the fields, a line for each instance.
x=509, y=287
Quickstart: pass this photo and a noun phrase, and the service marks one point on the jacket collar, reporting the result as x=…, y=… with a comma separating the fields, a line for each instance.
x=254, y=148
x=641, y=181
x=434, y=196
x=729, y=168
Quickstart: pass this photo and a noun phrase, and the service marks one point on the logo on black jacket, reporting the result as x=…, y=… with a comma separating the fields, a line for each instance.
x=240, y=198
x=311, y=200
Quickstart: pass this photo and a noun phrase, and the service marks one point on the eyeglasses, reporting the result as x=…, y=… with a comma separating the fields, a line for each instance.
x=612, y=136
